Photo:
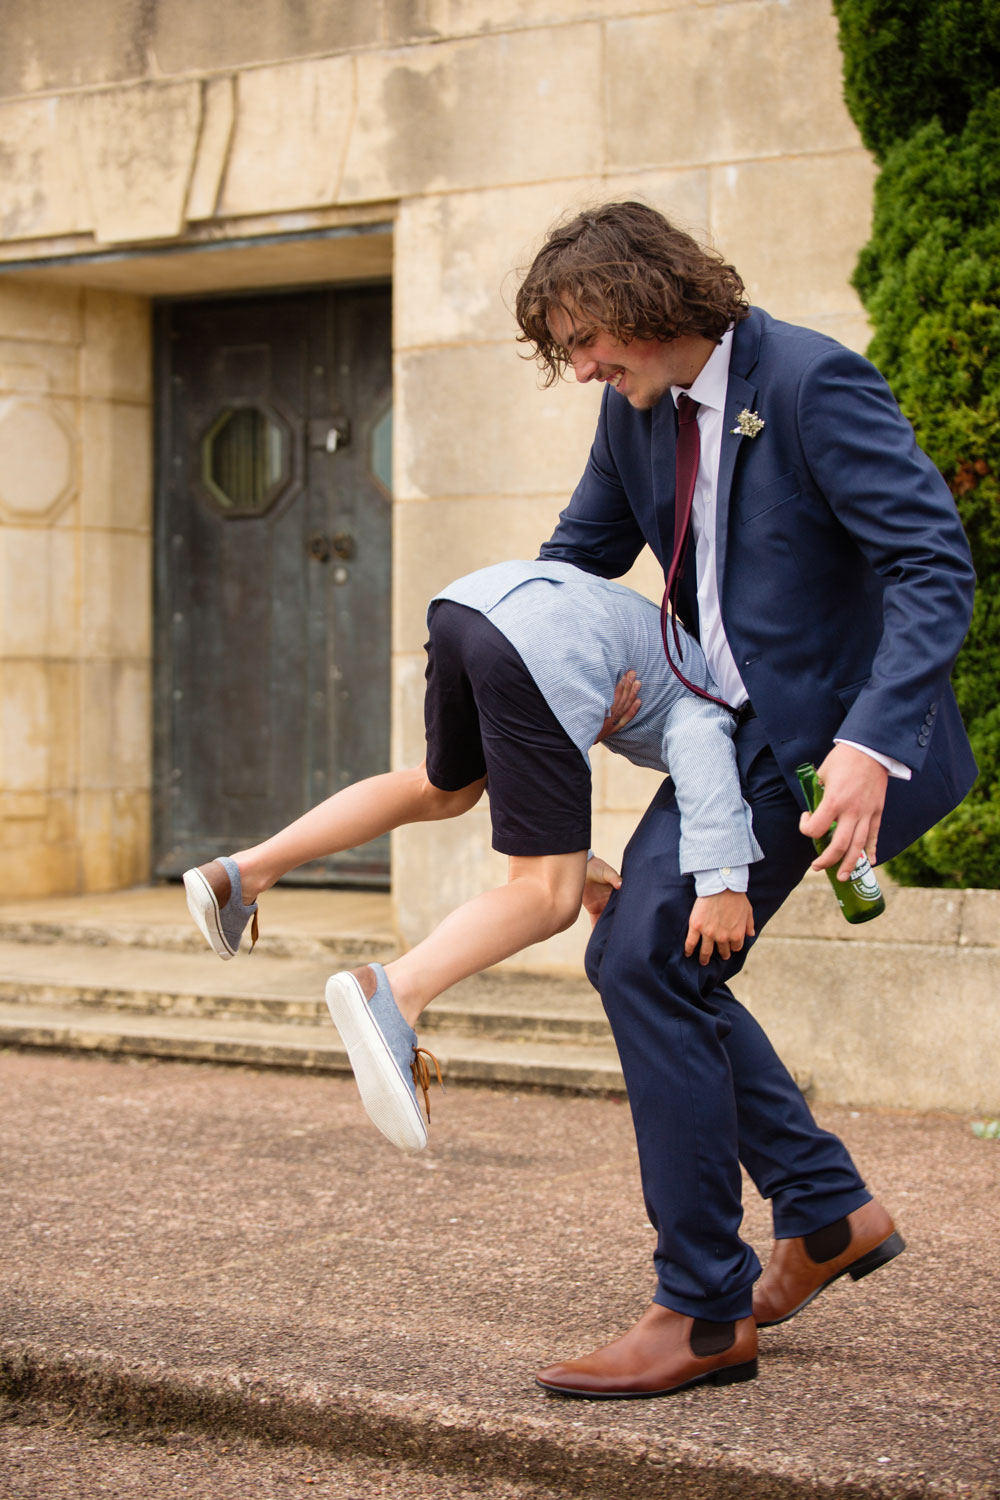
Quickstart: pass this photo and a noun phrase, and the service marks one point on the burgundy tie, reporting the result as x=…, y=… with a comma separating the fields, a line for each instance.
x=688, y=458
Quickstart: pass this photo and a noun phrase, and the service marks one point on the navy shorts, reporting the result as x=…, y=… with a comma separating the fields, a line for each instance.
x=485, y=716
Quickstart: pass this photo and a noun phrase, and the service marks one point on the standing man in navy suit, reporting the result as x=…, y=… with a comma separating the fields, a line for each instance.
x=826, y=574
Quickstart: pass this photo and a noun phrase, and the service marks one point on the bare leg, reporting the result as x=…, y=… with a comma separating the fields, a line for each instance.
x=376, y=1011
x=348, y=819
x=542, y=896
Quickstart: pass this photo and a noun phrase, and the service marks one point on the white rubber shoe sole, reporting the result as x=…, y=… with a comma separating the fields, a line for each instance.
x=204, y=907
x=385, y=1093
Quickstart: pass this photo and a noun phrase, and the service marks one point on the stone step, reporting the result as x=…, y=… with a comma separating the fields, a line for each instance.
x=340, y=949
x=518, y=1030
x=339, y=927
x=261, y=989
x=590, y=1068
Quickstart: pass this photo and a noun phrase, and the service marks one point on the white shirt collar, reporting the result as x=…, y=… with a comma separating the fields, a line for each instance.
x=709, y=389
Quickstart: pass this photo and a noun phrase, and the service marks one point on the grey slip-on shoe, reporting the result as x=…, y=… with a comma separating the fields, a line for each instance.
x=383, y=1052
x=215, y=900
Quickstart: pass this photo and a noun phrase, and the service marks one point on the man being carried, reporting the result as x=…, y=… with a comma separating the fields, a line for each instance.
x=523, y=660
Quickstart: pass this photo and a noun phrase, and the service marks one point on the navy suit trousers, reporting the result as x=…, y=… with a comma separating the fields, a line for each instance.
x=706, y=1088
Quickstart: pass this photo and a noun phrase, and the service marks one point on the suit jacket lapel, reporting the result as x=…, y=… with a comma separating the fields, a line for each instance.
x=663, y=461
x=740, y=394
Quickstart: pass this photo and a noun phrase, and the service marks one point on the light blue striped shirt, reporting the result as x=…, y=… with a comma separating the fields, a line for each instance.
x=577, y=634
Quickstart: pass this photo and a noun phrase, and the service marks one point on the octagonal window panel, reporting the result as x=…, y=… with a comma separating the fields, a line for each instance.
x=246, y=459
x=380, y=460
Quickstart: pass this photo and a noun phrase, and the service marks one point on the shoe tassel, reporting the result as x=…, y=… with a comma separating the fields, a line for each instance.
x=422, y=1075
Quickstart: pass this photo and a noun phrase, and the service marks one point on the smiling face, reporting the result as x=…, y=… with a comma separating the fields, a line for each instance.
x=641, y=370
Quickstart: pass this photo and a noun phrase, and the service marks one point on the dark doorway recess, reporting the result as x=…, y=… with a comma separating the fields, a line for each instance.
x=273, y=568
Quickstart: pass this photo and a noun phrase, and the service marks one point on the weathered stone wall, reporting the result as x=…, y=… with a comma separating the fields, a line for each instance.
x=763, y=160
x=900, y=1012
x=75, y=481
x=472, y=125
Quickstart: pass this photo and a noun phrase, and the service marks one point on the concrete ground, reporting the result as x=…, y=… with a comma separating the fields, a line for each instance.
x=60, y=1452
x=222, y=1282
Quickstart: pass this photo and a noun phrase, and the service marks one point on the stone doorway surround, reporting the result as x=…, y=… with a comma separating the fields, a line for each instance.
x=76, y=536
x=157, y=150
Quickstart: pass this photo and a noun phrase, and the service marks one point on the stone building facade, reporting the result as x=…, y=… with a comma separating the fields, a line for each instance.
x=172, y=155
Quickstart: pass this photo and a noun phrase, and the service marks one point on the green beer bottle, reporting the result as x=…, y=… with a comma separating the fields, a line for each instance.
x=859, y=897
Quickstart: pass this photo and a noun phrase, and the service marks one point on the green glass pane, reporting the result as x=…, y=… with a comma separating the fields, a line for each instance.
x=244, y=458
x=381, y=455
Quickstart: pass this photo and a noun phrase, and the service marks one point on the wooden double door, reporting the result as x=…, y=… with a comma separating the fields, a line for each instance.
x=273, y=568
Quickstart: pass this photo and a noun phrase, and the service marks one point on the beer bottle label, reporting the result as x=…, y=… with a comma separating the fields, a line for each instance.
x=863, y=880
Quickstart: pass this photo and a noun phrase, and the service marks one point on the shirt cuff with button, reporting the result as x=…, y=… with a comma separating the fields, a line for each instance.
x=894, y=767
x=728, y=878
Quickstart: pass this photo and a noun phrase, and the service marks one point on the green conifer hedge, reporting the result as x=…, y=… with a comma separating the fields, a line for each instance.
x=910, y=61
x=922, y=79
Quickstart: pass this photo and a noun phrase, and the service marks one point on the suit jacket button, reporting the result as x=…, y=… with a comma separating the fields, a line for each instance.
x=922, y=737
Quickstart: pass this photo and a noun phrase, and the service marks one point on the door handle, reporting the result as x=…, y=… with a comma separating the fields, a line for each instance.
x=330, y=436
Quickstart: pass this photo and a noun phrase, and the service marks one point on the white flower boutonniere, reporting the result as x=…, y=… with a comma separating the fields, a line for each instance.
x=748, y=424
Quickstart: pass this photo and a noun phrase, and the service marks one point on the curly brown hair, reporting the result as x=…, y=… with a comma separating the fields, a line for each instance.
x=625, y=269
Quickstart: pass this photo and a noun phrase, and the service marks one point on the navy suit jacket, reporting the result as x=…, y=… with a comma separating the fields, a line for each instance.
x=845, y=578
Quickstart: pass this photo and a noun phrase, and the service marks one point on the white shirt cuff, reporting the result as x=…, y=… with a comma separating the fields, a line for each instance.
x=728, y=878
x=894, y=767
